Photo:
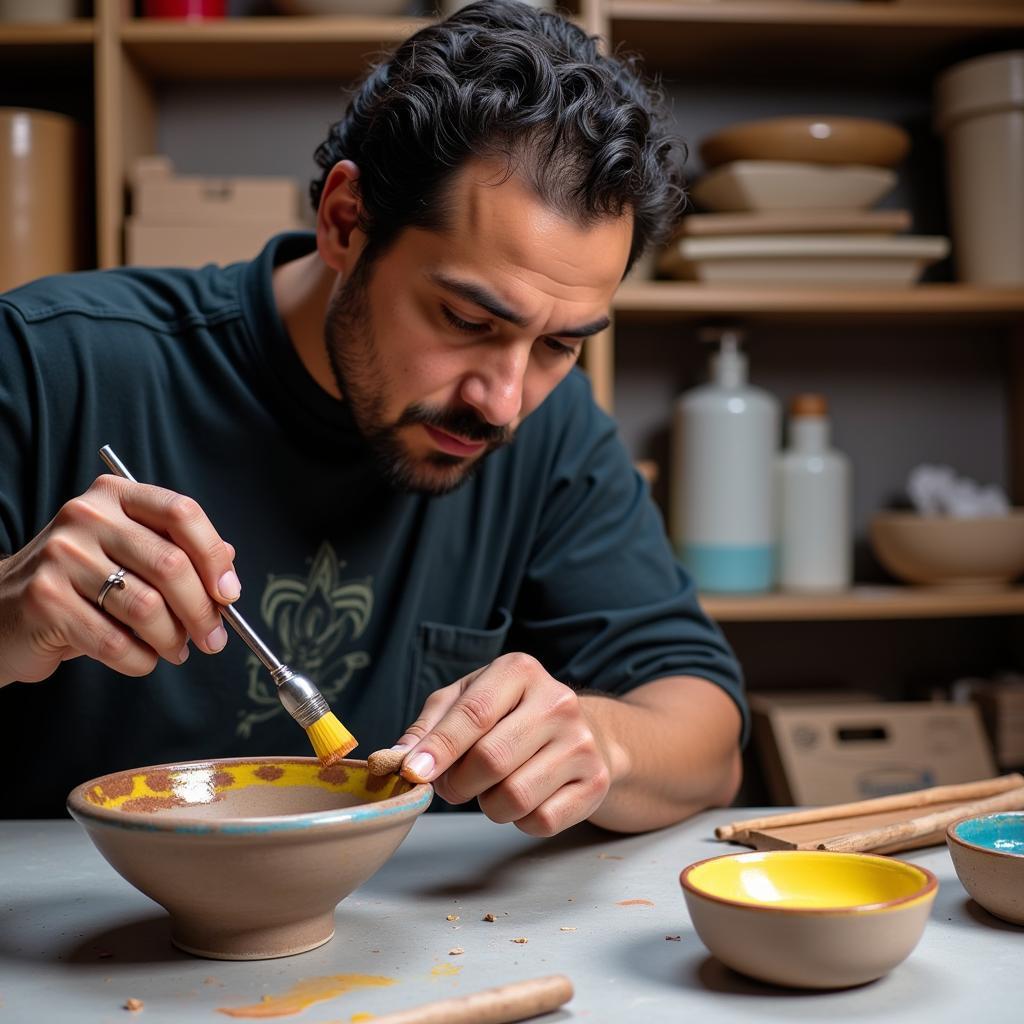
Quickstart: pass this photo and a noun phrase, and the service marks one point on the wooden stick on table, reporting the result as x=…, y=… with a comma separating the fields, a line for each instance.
x=502, y=1005
x=917, y=798
x=915, y=828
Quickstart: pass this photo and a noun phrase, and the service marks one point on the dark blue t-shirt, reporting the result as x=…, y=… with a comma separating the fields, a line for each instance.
x=380, y=597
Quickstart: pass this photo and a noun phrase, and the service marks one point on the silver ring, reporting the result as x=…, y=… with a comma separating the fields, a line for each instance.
x=115, y=579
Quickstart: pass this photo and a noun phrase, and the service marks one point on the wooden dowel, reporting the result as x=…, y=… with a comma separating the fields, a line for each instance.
x=917, y=798
x=518, y=1001
x=385, y=762
x=915, y=828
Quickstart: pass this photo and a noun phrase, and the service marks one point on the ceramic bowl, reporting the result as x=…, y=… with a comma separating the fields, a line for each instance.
x=949, y=551
x=248, y=856
x=748, y=185
x=809, y=919
x=988, y=854
x=823, y=140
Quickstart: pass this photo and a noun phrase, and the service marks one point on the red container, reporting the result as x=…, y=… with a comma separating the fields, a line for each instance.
x=184, y=8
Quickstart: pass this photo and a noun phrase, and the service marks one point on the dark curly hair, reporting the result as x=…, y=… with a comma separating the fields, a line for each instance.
x=584, y=130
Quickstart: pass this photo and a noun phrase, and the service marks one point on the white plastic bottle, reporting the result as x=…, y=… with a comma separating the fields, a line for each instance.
x=814, y=489
x=724, y=440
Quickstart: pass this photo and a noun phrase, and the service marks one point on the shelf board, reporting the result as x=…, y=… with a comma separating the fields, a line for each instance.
x=840, y=40
x=866, y=602
x=676, y=300
x=78, y=32
x=337, y=49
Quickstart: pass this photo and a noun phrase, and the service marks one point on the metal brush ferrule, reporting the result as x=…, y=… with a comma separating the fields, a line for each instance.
x=301, y=699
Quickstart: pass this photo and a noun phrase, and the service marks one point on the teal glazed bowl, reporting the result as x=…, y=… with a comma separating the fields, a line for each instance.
x=988, y=854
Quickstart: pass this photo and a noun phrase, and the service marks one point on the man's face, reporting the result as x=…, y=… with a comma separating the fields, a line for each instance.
x=452, y=339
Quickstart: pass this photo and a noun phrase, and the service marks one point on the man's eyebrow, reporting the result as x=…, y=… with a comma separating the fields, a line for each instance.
x=479, y=295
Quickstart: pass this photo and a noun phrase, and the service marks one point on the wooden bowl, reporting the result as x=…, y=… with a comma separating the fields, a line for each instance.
x=988, y=854
x=809, y=919
x=823, y=140
x=249, y=856
x=948, y=551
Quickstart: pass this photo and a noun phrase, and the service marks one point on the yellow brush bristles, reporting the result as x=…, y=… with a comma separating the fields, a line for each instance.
x=330, y=739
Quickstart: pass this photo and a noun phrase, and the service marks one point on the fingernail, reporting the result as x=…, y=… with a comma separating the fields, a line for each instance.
x=229, y=586
x=183, y=655
x=217, y=639
x=421, y=765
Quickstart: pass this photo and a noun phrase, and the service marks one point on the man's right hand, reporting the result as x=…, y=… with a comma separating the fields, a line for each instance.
x=178, y=572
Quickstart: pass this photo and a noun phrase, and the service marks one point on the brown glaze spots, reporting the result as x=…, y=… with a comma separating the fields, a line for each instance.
x=266, y=772
x=336, y=775
x=375, y=783
x=160, y=782
x=151, y=804
x=223, y=779
x=119, y=785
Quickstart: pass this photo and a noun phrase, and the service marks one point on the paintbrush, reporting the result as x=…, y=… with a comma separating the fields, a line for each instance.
x=301, y=699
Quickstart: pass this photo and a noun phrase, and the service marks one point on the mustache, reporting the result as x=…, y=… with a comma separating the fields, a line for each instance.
x=461, y=422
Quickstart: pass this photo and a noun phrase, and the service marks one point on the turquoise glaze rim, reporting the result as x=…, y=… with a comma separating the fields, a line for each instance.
x=983, y=832
x=407, y=805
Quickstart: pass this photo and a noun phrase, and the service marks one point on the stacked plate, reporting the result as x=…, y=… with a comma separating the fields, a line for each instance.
x=792, y=202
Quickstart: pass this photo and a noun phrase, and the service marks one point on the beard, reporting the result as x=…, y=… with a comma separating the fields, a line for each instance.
x=363, y=383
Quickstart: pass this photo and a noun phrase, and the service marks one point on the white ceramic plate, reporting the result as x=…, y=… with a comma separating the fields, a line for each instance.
x=857, y=260
x=788, y=185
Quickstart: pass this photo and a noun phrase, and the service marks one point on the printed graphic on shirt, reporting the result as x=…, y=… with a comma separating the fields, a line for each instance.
x=312, y=622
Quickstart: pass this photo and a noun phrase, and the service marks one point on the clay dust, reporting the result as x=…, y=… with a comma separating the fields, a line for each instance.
x=306, y=993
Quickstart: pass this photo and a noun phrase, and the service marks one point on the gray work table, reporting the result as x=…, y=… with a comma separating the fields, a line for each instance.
x=76, y=940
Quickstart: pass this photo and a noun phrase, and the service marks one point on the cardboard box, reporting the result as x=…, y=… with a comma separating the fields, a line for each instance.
x=824, y=753
x=159, y=196
x=188, y=245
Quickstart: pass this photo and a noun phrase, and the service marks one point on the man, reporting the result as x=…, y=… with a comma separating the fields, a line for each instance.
x=378, y=430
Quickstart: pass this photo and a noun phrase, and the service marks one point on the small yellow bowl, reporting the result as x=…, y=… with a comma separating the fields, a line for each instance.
x=809, y=919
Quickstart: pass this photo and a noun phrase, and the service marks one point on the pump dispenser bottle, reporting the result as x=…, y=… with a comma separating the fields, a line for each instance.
x=724, y=443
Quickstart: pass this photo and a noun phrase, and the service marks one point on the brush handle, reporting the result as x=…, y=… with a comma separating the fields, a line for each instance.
x=277, y=668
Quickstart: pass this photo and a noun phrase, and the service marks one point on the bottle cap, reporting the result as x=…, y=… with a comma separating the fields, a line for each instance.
x=808, y=405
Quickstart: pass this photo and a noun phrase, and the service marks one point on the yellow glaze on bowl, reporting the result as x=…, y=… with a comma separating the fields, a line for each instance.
x=809, y=919
x=249, y=788
x=804, y=880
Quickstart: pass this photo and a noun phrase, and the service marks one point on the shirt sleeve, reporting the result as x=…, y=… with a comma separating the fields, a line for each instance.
x=604, y=604
x=17, y=432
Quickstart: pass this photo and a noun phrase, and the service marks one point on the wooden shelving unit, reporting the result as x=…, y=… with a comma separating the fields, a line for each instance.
x=867, y=603
x=891, y=44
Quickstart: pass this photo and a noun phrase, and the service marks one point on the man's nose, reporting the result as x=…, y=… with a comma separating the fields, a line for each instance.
x=495, y=389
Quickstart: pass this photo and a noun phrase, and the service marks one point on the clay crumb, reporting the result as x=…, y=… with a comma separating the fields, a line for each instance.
x=456, y=951
x=385, y=762
x=567, y=928
x=522, y=941
x=673, y=938
x=489, y=917
x=134, y=1005
x=609, y=856
x=452, y=917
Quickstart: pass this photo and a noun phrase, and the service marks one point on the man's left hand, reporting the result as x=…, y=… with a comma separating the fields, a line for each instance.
x=515, y=738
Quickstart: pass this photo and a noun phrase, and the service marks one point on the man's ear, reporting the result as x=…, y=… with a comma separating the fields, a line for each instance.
x=339, y=239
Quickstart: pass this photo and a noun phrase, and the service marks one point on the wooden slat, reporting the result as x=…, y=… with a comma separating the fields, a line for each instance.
x=867, y=603
x=671, y=300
